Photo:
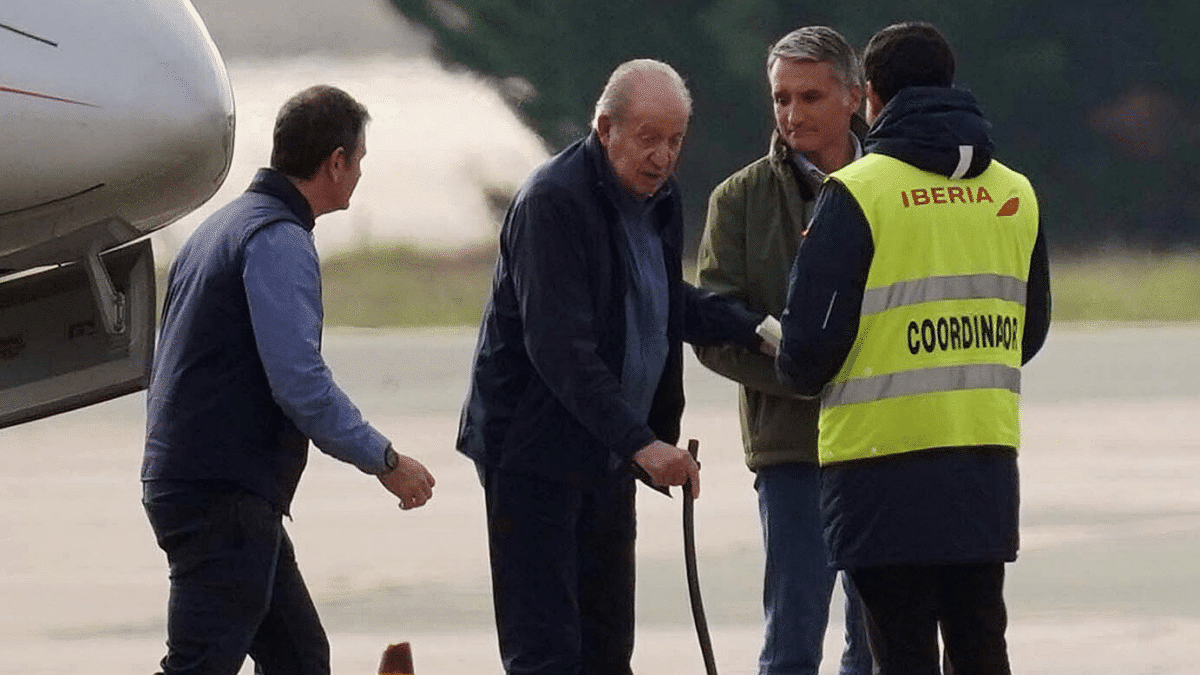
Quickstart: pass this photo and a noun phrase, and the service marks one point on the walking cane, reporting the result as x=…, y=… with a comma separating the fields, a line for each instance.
x=693, y=577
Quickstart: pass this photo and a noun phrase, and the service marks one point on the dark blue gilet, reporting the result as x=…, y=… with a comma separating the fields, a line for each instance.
x=210, y=413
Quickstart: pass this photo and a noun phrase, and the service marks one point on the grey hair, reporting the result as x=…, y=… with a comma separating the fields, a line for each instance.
x=615, y=96
x=821, y=44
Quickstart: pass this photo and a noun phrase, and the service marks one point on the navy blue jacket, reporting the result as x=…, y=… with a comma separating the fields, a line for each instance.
x=545, y=395
x=935, y=506
x=238, y=385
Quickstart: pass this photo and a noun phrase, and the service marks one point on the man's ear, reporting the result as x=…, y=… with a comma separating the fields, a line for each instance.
x=854, y=98
x=874, y=104
x=335, y=163
x=604, y=128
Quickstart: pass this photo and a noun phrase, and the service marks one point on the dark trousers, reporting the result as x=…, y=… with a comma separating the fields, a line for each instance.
x=235, y=587
x=562, y=573
x=906, y=604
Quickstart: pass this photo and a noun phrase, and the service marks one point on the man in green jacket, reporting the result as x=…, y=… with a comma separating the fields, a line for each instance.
x=756, y=220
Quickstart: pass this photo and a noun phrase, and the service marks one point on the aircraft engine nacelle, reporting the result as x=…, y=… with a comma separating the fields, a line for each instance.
x=116, y=118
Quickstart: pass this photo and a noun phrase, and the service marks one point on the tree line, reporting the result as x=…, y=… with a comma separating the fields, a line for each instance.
x=1096, y=100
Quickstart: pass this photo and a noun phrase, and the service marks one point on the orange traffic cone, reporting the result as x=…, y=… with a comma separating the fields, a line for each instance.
x=397, y=660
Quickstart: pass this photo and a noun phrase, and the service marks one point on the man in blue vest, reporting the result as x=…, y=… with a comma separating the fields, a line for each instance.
x=921, y=289
x=238, y=389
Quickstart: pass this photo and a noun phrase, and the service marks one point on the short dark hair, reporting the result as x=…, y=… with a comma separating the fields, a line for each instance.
x=312, y=125
x=908, y=54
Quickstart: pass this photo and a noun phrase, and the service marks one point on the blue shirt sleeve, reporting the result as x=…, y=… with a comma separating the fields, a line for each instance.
x=282, y=276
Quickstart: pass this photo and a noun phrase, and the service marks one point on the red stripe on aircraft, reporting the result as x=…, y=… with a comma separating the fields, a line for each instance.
x=45, y=96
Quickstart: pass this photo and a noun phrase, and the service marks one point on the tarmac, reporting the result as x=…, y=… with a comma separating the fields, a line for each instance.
x=1106, y=582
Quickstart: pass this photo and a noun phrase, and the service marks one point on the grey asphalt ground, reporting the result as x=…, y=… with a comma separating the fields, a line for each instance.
x=1107, y=581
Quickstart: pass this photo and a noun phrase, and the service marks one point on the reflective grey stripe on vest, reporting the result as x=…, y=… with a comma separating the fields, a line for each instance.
x=923, y=381
x=928, y=289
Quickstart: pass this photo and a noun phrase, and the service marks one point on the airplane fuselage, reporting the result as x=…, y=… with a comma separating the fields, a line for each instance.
x=116, y=118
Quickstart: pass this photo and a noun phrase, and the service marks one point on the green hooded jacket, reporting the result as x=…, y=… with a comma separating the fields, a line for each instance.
x=756, y=219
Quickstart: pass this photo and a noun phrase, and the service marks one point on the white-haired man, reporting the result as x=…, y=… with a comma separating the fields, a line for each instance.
x=578, y=377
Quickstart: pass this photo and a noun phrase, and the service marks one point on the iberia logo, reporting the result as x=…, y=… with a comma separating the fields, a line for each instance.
x=1010, y=207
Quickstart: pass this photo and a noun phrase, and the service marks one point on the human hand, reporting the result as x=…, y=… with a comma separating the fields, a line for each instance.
x=771, y=332
x=410, y=481
x=669, y=465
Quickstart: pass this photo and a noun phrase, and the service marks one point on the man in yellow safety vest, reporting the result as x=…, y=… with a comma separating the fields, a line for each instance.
x=920, y=290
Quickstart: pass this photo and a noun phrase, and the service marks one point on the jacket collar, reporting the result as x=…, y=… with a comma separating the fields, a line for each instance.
x=277, y=185
x=936, y=129
x=781, y=157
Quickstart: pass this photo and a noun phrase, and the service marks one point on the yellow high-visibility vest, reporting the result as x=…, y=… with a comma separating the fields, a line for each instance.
x=936, y=362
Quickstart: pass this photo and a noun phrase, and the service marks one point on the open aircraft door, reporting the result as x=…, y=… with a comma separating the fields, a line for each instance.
x=77, y=334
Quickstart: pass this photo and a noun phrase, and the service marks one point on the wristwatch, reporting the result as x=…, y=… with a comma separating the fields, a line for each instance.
x=390, y=459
